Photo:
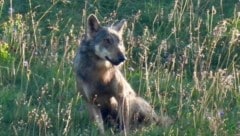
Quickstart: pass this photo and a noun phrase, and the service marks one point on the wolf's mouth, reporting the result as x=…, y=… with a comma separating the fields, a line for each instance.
x=115, y=62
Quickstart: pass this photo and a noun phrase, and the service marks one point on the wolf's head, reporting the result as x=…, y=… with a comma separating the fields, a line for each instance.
x=107, y=41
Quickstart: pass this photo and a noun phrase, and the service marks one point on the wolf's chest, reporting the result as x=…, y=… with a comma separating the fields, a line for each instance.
x=101, y=93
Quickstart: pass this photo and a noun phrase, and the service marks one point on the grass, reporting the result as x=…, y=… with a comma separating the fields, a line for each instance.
x=183, y=58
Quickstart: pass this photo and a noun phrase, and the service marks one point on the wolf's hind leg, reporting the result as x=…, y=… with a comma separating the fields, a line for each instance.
x=96, y=116
x=144, y=110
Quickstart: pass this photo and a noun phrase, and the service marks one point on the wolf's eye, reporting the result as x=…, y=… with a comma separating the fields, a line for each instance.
x=107, y=40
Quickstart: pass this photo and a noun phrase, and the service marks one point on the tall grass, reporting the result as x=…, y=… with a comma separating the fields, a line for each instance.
x=183, y=58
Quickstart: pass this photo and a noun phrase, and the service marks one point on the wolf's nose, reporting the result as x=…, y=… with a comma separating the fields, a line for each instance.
x=122, y=58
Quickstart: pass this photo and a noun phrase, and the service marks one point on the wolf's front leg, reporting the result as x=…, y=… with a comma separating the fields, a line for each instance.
x=124, y=117
x=96, y=116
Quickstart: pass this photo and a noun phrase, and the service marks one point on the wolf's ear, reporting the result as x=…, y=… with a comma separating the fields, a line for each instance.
x=93, y=25
x=120, y=26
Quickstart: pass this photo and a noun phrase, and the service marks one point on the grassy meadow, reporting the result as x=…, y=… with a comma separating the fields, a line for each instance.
x=183, y=57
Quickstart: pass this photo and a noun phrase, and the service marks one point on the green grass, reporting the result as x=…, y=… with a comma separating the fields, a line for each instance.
x=183, y=58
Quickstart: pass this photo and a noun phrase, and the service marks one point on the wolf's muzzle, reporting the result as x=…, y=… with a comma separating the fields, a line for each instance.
x=120, y=58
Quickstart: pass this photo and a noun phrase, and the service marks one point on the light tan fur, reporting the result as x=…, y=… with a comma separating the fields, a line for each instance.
x=100, y=81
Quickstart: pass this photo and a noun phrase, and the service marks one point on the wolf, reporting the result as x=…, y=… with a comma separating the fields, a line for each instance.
x=97, y=66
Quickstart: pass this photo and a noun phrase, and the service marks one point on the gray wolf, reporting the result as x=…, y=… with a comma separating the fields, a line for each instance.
x=100, y=81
